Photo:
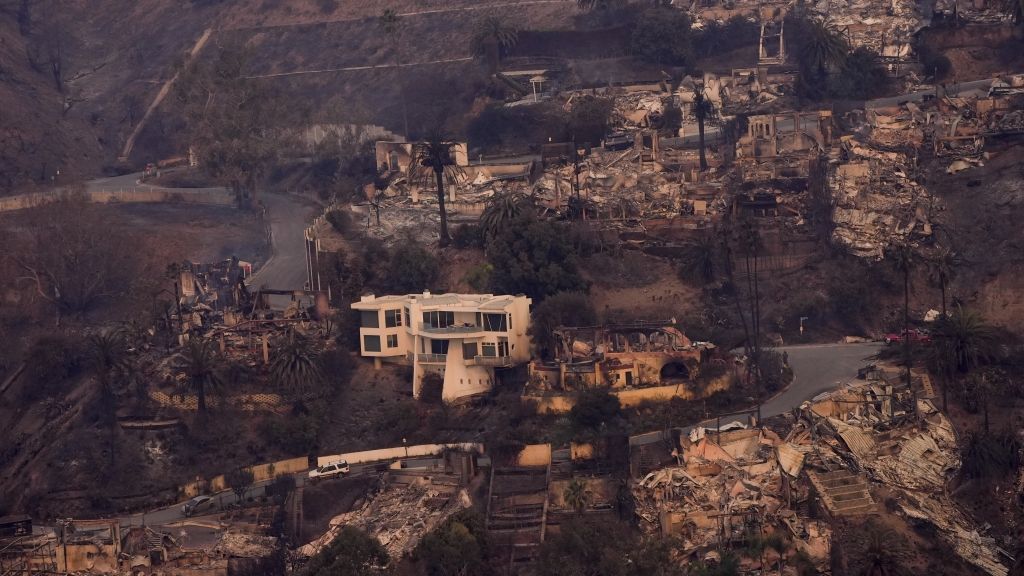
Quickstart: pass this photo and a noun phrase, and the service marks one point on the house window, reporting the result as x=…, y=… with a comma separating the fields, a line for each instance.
x=495, y=323
x=503, y=348
x=407, y=317
x=369, y=319
x=392, y=318
x=371, y=343
x=438, y=319
x=489, y=349
x=469, y=350
x=438, y=346
x=392, y=340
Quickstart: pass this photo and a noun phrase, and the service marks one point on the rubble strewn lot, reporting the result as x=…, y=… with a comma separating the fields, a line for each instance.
x=841, y=447
x=398, y=515
x=645, y=187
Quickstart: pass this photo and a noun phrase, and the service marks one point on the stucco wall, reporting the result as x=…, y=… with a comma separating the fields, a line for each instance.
x=399, y=452
x=535, y=455
x=562, y=403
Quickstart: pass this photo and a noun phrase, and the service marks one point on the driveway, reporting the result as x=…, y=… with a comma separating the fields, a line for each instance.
x=817, y=368
x=286, y=269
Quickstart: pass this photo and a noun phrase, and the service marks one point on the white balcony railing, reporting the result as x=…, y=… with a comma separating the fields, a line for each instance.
x=432, y=358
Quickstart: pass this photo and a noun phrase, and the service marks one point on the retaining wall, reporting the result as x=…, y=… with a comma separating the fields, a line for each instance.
x=398, y=452
x=203, y=196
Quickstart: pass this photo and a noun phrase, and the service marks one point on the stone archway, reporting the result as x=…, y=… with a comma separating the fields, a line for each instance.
x=674, y=370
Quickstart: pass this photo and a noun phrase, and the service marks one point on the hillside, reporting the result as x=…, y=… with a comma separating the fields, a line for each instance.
x=38, y=136
x=119, y=53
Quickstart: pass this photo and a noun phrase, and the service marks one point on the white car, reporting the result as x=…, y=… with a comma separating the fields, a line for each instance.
x=329, y=470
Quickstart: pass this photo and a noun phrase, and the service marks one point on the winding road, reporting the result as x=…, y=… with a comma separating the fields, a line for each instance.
x=817, y=368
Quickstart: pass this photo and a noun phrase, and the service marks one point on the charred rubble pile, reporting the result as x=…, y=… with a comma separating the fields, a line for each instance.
x=724, y=485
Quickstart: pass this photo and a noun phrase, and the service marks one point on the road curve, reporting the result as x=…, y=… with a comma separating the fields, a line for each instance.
x=818, y=368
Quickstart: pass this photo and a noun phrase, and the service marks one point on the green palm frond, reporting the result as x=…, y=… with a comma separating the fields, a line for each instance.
x=296, y=365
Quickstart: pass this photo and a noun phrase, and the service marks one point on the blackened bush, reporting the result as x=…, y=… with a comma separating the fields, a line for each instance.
x=340, y=220
x=595, y=410
x=468, y=236
x=50, y=365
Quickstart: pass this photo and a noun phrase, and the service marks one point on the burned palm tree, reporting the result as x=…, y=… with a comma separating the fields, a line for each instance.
x=202, y=369
x=492, y=40
x=941, y=269
x=703, y=110
x=903, y=260
x=435, y=158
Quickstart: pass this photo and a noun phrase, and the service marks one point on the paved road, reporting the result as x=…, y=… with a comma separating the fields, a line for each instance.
x=286, y=269
x=172, y=513
x=130, y=181
x=817, y=368
x=288, y=215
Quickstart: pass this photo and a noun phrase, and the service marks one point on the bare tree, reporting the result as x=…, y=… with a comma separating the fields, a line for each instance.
x=74, y=257
x=238, y=126
x=44, y=23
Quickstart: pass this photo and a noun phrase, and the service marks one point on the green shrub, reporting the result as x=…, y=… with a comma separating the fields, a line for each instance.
x=411, y=268
x=458, y=546
x=533, y=257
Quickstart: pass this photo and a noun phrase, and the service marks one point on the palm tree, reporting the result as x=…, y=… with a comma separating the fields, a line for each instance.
x=202, y=369
x=968, y=339
x=107, y=358
x=941, y=269
x=107, y=361
x=492, y=39
x=821, y=47
x=500, y=210
x=296, y=366
x=703, y=110
x=700, y=258
x=779, y=545
x=435, y=157
x=577, y=496
x=903, y=259
x=877, y=550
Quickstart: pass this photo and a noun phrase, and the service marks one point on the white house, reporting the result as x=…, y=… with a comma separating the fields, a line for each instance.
x=461, y=337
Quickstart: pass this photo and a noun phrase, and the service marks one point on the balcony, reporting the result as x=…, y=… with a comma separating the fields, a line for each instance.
x=454, y=329
x=432, y=358
x=496, y=361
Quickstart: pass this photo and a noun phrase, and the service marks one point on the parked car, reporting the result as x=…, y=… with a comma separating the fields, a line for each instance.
x=197, y=505
x=913, y=335
x=329, y=470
